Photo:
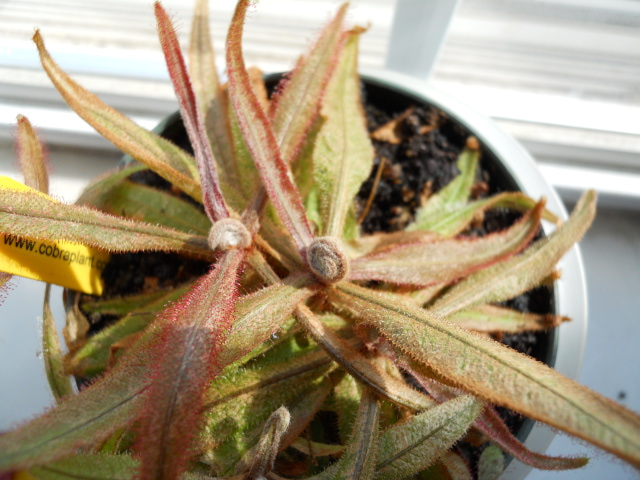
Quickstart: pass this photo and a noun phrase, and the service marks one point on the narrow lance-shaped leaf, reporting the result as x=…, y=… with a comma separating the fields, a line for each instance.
x=213, y=201
x=119, y=194
x=489, y=318
x=411, y=446
x=507, y=279
x=31, y=156
x=490, y=423
x=441, y=262
x=359, y=366
x=32, y=215
x=452, y=196
x=343, y=154
x=209, y=94
x=83, y=420
x=260, y=138
x=163, y=157
x=359, y=459
x=59, y=381
x=494, y=427
x=185, y=360
x=88, y=467
x=496, y=373
x=242, y=398
x=295, y=107
x=455, y=221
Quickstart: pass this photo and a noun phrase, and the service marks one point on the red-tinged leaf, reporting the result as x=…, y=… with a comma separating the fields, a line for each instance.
x=260, y=138
x=520, y=273
x=494, y=427
x=30, y=214
x=31, y=156
x=185, y=360
x=359, y=247
x=83, y=420
x=359, y=366
x=494, y=372
x=163, y=157
x=295, y=107
x=441, y=262
x=214, y=203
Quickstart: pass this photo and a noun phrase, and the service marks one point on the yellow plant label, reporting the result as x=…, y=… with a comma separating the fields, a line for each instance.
x=68, y=264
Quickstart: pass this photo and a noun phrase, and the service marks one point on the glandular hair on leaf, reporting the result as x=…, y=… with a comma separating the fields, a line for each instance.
x=229, y=233
x=327, y=259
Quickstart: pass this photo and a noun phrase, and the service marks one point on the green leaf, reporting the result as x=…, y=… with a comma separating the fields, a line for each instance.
x=490, y=464
x=442, y=262
x=343, y=156
x=260, y=138
x=58, y=379
x=264, y=313
x=414, y=444
x=95, y=355
x=88, y=467
x=494, y=372
x=163, y=157
x=295, y=107
x=507, y=279
x=455, y=220
x=453, y=196
x=119, y=196
x=359, y=459
x=242, y=398
x=83, y=420
x=31, y=157
x=31, y=215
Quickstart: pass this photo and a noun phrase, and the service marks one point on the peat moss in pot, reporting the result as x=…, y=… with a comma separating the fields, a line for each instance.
x=261, y=319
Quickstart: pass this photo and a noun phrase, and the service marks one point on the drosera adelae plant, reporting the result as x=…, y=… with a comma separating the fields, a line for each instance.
x=192, y=381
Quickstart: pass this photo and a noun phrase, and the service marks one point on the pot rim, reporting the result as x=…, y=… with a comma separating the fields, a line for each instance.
x=570, y=291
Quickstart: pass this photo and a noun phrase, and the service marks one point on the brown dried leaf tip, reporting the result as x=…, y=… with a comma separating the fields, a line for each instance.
x=327, y=259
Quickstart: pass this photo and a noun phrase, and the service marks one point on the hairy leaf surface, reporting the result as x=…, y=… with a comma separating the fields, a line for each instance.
x=343, y=155
x=507, y=279
x=413, y=445
x=59, y=381
x=185, y=359
x=295, y=107
x=442, y=262
x=496, y=373
x=260, y=138
x=31, y=215
x=31, y=157
x=163, y=157
x=214, y=203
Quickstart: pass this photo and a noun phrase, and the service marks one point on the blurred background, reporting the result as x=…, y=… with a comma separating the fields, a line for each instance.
x=562, y=76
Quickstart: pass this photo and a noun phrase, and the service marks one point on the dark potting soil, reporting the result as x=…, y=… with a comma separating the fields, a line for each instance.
x=418, y=163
